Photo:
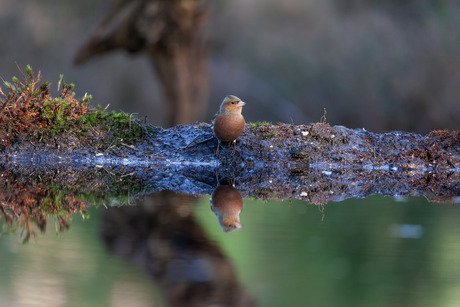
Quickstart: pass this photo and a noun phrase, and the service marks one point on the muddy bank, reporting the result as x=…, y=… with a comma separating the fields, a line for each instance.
x=317, y=145
x=66, y=142
x=314, y=163
x=317, y=163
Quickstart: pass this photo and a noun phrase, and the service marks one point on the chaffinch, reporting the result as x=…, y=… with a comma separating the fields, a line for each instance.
x=227, y=203
x=229, y=123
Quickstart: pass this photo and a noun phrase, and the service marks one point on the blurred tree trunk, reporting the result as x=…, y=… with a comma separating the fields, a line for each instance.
x=170, y=34
x=180, y=245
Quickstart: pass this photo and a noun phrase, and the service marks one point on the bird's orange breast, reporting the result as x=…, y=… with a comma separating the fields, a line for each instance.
x=226, y=200
x=228, y=128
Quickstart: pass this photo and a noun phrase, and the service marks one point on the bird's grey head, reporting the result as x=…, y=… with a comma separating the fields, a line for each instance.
x=227, y=99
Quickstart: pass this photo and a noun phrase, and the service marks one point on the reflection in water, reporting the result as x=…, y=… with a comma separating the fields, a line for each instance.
x=406, y=231
x=24, y=203
x=227, y=203
x=33, y=187
x=161, y=234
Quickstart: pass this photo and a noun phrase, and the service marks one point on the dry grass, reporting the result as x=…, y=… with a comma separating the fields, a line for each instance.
x=27, y=109
x=29, y=113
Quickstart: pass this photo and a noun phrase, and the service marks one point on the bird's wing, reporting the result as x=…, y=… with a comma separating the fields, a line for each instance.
x=215, y=117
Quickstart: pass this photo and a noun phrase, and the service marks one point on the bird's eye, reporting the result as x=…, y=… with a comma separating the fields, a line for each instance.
x=233, y=102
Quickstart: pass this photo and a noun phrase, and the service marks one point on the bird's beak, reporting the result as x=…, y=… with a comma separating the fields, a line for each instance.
x=241, y=104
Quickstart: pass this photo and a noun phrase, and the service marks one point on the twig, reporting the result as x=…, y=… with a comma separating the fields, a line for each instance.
x=4, y=104
x=323, y=118
x=129, y=146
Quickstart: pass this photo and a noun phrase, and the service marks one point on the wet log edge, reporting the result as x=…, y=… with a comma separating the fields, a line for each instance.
x=315, y=162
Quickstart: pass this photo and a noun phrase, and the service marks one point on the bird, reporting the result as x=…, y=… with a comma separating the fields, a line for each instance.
x=229, y=123
x=227, y=203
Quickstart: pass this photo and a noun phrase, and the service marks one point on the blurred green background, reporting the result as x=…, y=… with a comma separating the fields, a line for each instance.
x=286, y=254
x=391, y=65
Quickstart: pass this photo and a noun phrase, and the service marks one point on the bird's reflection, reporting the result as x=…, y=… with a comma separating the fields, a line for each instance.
x=227, y=203
x=163, y=236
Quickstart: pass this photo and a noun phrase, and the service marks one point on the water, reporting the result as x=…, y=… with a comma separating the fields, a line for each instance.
x=377, y=251
x=291, y=257
x=70, y=268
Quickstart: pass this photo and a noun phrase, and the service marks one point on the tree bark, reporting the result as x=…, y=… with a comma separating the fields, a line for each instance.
x=170, y=34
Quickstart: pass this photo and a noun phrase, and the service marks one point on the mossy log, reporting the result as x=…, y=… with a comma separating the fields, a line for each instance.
x=316, y=162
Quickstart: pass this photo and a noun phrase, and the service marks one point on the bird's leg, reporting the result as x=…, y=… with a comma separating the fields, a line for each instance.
x=218, y=145
x=233, y=180
x=234, y=146
x=217, y=176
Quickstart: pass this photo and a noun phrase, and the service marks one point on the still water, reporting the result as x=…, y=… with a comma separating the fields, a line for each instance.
x=169, y=250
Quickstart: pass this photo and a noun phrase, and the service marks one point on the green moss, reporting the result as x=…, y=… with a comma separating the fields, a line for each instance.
x=256, y=125
x=269, y=135
x=30, y=112
x=264, y=130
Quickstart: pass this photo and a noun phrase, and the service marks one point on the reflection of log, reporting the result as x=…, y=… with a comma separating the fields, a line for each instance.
x=170, y=34
x=27, y=203
x=163, y=236
x=317, y=163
